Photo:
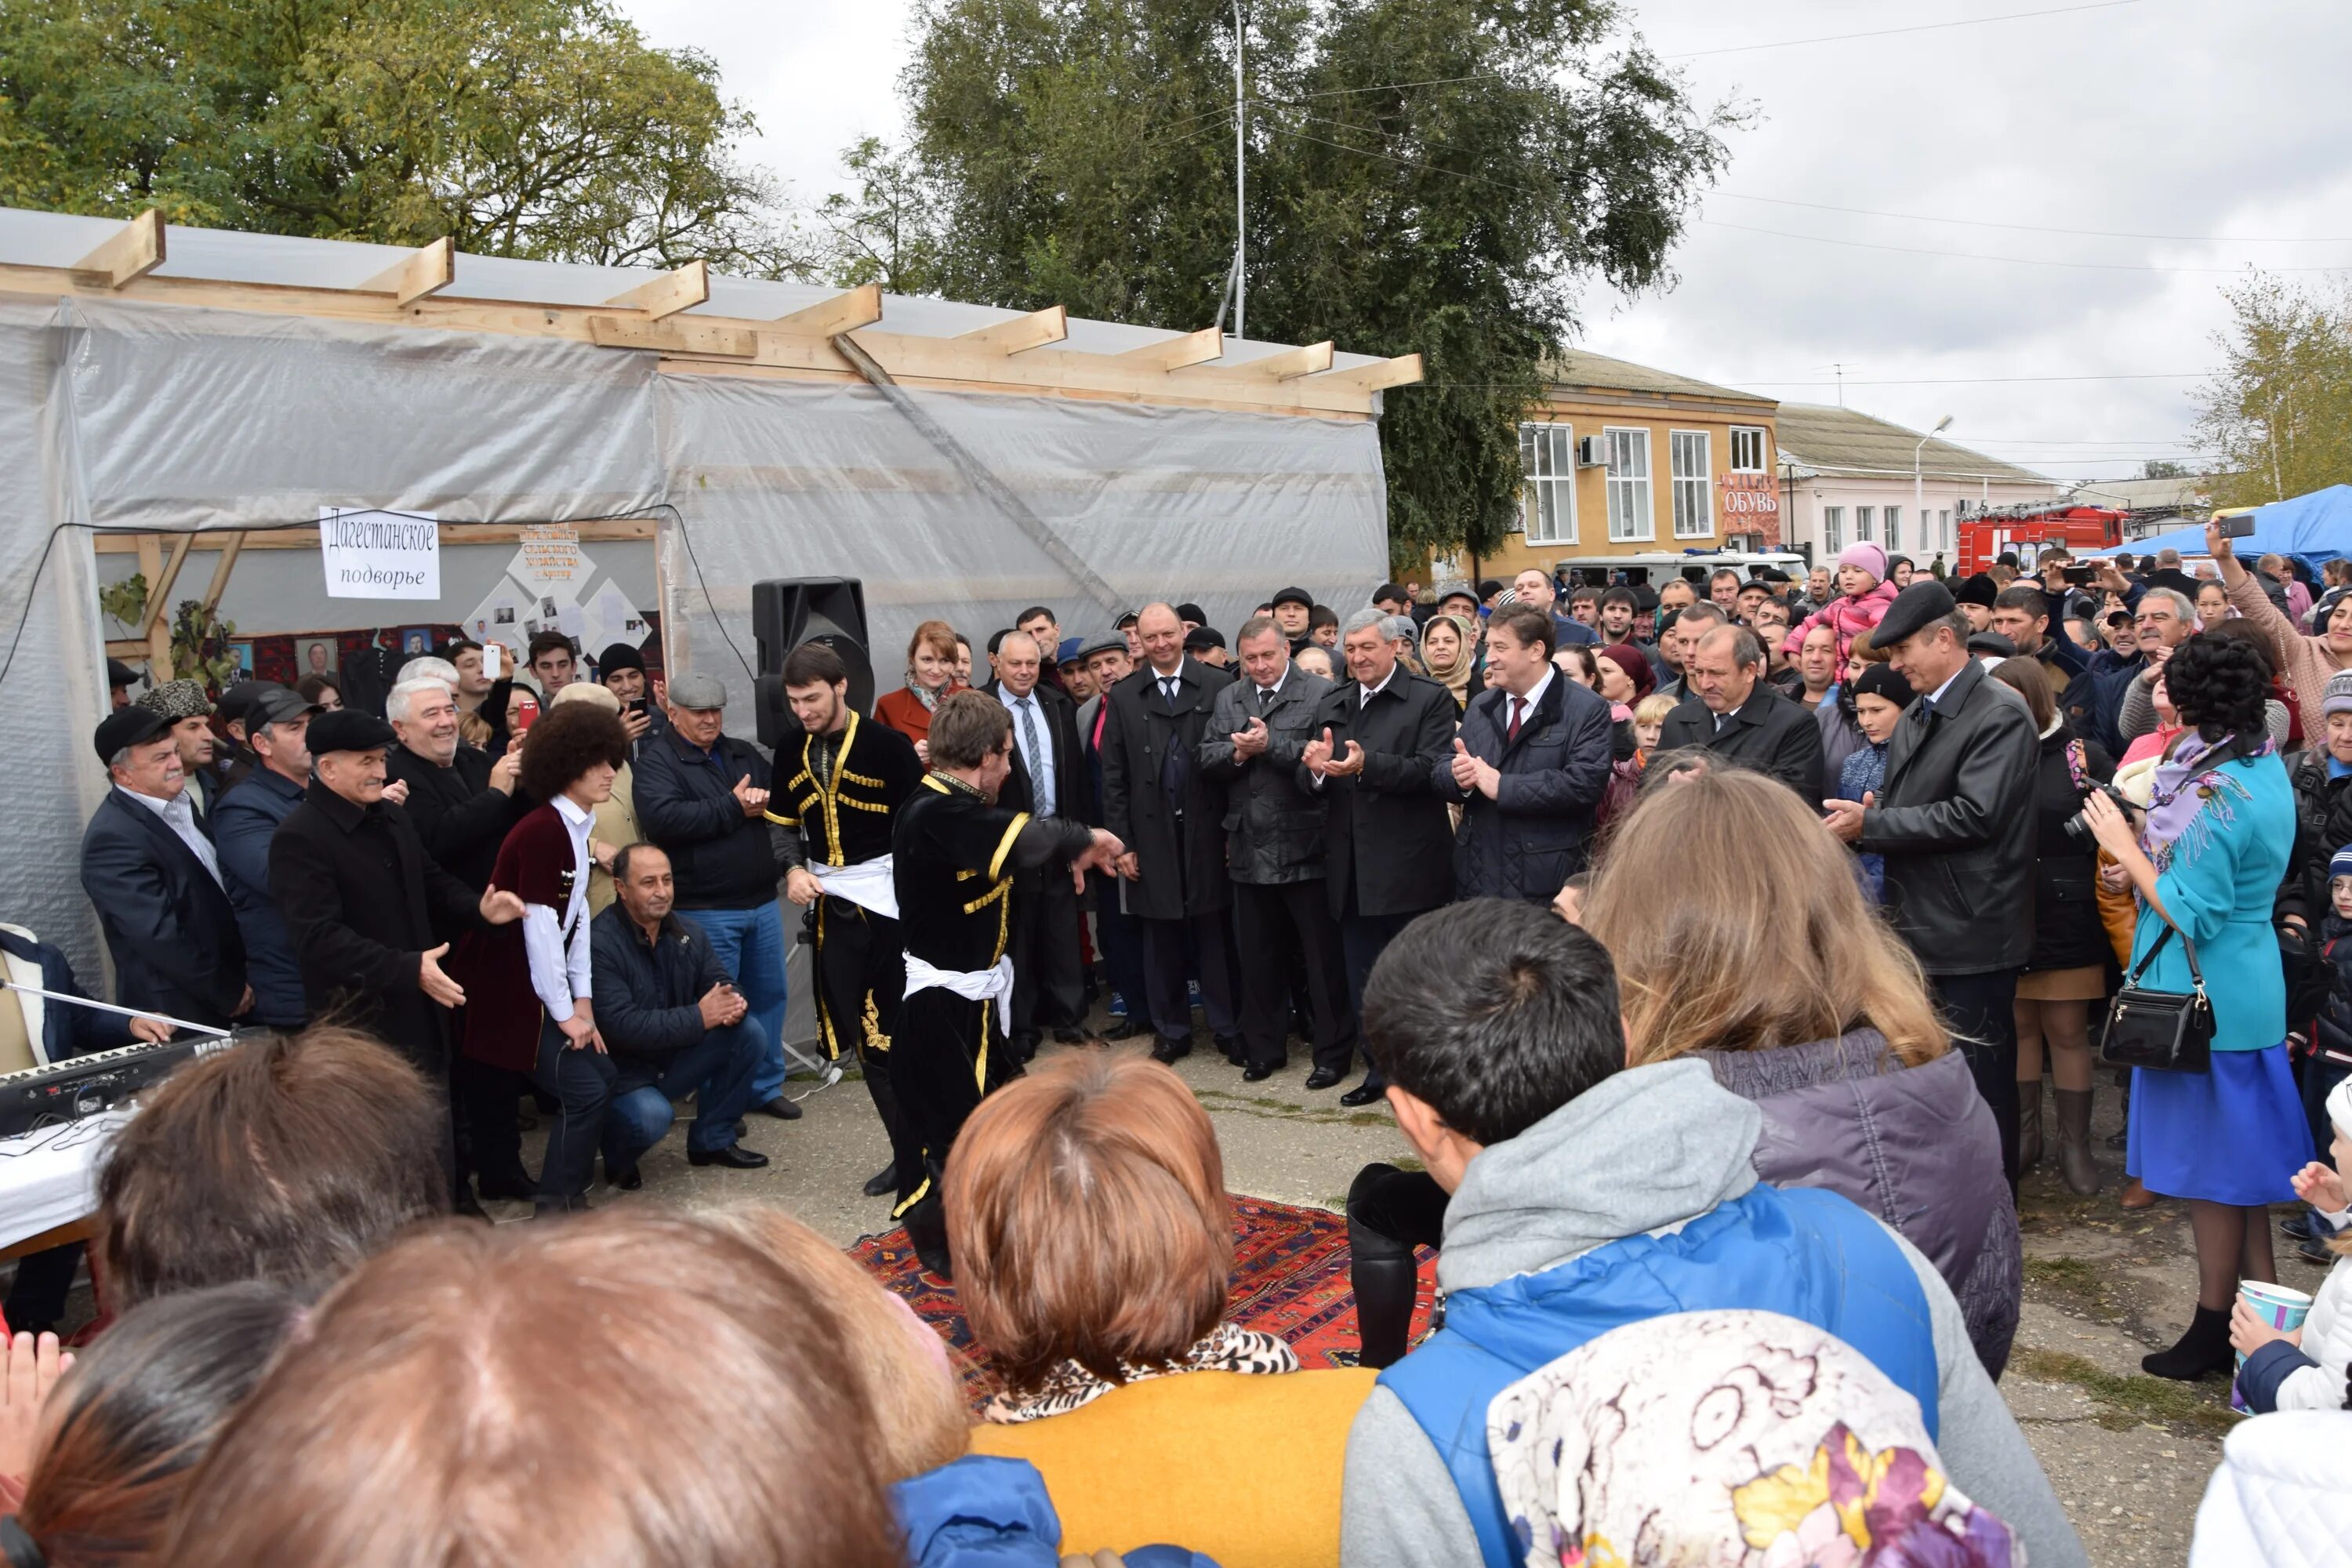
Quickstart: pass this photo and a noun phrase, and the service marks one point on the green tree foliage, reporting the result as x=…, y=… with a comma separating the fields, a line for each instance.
x=885, y=233
x=1439, y=176
x=2280, y=414
x=545, y=128
x=2157, y=468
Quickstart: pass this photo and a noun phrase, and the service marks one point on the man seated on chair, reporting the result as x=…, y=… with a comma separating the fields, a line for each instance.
x=674, y=1021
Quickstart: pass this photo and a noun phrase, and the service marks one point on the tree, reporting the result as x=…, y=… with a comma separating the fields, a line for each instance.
x=2279, y=413
x=885, y=233
x=545, y=128
x=2157, y=468
x=1439, y=176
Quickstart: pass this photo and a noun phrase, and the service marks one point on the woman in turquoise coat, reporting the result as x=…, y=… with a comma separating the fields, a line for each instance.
x=2208, y=860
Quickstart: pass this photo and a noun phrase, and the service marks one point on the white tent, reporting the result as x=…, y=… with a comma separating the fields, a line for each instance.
x=962, y=461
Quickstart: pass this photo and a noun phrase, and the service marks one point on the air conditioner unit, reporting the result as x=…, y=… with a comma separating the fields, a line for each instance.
x=1592, y=452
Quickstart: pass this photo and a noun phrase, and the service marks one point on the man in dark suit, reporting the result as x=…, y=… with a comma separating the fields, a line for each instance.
x=1116, y=935
x=371, y=914
x=461, y=800
x=1047, y=780
x=1170, y=818
x=1738, y=715
x=154, y=878
x=1275, y=821
x=1955, y=824
x=1530, y=764
x=1379, y=739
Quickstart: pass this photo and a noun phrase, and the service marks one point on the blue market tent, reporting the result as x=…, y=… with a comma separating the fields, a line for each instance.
x=2317, y=527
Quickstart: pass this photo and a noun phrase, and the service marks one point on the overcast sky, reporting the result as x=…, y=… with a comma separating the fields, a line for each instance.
x=2224, y=124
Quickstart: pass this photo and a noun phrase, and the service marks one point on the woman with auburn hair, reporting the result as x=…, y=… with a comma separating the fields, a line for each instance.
x=909, y=1377
x=1768, y=962
x=931, y=655
x=1094, y=1244
x=624, y=1389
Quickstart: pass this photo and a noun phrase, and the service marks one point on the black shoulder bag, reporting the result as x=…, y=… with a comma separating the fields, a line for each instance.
x=2163, y=1031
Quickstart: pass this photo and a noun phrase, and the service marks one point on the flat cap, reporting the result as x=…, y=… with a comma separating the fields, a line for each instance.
x=1992, y=643
x=697, y=692
x=239, y=699
x=1097, y=642
x=348, y=730
x=121, y=674
x=1920, y=606
x=128, y=726
x=275, y=704
x=1293, y=597
x=1199, y=637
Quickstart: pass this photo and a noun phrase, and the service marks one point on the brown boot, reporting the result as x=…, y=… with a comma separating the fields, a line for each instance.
x=2135, y=1196
x=2029, y=1125
x=2075, y=1166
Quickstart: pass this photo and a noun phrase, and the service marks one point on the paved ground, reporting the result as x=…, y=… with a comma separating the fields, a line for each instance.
x=2129, y=1454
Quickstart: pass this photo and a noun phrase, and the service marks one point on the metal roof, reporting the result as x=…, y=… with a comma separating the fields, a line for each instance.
x=1576, y=367
x=1827, y=440
x=30, y=238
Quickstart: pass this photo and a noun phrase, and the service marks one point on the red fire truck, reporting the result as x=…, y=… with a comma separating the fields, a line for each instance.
x=1985, y=536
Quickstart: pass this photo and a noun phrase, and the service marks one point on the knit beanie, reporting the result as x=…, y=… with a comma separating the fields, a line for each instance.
x=2338, y=696
x=1881, y=680
x=1867, y=556
x=2341, y=864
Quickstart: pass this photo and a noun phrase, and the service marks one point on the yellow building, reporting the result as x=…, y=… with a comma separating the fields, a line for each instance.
x=1621, y=459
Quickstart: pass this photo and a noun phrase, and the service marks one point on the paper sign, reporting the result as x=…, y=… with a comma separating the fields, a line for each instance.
x=550, y=557
x=371, y=554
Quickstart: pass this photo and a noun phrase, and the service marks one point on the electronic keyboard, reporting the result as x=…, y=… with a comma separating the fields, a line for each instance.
x=82, y=1086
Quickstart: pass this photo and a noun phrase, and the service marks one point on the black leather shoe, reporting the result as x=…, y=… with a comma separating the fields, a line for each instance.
x=735, y=1157
x=629, y=1181
x=882, y=1183
x=1364, y=1094
x=1168, y=1051
x=782, y=1110
x=1322, y=1078
x=2297, y=1225
x=518, y=1187
x=1127, y=1028
x=1234, y=1051
x=464, y=1208
x=1258, y=1075
x=2316, y=1253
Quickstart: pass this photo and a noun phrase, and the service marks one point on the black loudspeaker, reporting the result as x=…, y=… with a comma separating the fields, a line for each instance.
x=789, y=611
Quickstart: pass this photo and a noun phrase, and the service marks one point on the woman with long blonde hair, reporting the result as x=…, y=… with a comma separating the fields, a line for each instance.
x=1741, y=935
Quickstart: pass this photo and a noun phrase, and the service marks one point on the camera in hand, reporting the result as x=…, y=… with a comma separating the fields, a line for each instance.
x=2078, y=826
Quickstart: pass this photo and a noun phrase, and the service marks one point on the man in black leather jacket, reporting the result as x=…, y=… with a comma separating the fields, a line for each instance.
x=1955, y=827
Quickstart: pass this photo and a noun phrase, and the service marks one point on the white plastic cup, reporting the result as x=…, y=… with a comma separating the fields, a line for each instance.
x=2277, y=1305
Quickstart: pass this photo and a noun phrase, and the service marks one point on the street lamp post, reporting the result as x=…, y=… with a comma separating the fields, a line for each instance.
x=1919, y=483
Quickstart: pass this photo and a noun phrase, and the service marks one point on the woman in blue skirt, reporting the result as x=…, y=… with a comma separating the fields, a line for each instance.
x=2208, y=861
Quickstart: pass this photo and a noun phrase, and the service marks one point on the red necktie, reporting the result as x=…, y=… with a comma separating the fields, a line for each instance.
x=1516, y=704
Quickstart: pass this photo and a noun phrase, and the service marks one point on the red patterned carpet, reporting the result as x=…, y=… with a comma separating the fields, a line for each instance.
x=1290, y=1278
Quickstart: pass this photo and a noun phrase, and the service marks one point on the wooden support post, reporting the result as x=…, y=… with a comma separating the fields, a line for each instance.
x=1176, y=353
x=1402, y=371
x=667, y=294
x=426, y=271
x=687, y=337
x=136, y=250
x=230, y=549
x=154, y=623
x=1035, y=330
x=861, y=307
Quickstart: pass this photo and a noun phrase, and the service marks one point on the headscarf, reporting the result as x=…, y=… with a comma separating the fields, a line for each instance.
x=2190, y=799
x=1455, y=676
x=1634, y=663
x=1731, y=1437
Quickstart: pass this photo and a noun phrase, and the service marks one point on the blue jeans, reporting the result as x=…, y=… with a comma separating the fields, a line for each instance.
x=719, y=1069
x=750, y=946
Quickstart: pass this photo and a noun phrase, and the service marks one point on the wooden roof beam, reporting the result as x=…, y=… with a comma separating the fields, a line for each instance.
x=667, y=294
x=861, y=307
x=425, y=270
x=136, y=250
x=693, y=335
x=1035, y=330
x=1176, y=353
x=1402, y=371
x=1284, y=364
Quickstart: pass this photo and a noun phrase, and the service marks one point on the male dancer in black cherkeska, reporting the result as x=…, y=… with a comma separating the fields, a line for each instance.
x=854, y=774
x=953, y=853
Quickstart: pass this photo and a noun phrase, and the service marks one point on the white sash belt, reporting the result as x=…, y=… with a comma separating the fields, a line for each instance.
x=869, y=884
x=972, y=984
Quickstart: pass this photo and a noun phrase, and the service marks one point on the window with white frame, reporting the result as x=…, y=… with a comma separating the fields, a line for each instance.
x=1894, y=529
x=1748, y=452
x=1630, y=516
x=1694, y=482
x=1832, y=528
x=1944, y=521
x=1548, y=483
x=1862, y=519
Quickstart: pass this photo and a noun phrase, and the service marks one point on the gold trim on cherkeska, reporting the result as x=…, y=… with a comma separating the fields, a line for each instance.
x=988, y=898
x=1004, y=845
x=865, y=806
x=845, y=776
x=966, y=876
x=916, y=1195
x=931, y=782
x=830, y=793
